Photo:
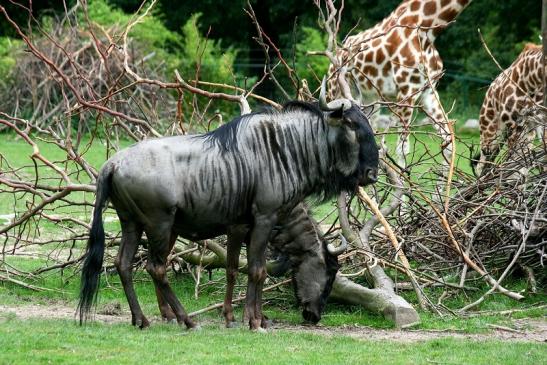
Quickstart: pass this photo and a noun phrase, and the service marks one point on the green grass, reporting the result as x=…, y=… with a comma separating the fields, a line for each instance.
x=61, y=341
x=280, y=304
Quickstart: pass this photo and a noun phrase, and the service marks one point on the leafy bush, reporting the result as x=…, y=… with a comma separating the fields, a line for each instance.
x=154, y=52
x=8, y=49
x=311, y=67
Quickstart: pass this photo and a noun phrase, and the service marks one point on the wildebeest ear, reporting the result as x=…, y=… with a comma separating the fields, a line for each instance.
x=338, y=113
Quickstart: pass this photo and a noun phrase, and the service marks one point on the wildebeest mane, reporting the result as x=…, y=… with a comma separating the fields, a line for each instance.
x=225, y=136
x=304, y=106
x=283, y=145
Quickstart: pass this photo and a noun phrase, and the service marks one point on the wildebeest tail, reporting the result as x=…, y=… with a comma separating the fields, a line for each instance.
x=93, y=263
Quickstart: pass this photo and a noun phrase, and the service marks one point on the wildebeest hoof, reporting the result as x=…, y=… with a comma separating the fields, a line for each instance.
x=260, y=330
x=141, y=323
x=144, y=325
x=232, y=324
x=170, y=320
x=197, y=327
x=266, y=323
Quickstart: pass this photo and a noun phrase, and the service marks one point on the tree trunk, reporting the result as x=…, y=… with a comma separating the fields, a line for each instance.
x=381, y=299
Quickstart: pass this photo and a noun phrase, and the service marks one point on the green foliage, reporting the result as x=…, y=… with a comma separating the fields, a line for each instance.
x=150, y=36
x=311, y=67
x=8, y=48
x=216, y=62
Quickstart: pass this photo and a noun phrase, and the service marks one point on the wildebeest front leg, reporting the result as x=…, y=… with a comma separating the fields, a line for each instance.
x=131, y=235
x=235, y=239
x=256, y=257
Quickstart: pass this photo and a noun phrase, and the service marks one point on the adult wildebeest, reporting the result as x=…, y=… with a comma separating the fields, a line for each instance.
x=244, y=176
x=313, y=261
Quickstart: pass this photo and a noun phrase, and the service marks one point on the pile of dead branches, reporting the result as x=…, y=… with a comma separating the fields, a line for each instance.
x=499, y=220
x=85, y=61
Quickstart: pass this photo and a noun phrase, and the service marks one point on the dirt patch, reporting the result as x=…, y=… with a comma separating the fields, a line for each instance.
x=56, y=311
x=520, y=330
x=534, y=330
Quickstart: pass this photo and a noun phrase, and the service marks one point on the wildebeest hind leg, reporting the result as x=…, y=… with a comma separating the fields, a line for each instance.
x=235, y=239
x=167, y=313
x=131, y=235
x=160, y=243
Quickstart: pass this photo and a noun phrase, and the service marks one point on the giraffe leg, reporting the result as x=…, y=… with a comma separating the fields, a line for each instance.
x=405, y=116
x=434, y=111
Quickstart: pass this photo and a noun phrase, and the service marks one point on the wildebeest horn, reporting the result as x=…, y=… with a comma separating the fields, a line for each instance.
x=340, y=249
x=333, y=105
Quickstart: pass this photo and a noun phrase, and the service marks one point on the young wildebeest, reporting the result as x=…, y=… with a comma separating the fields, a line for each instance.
x=245, y=176
x=312, y=259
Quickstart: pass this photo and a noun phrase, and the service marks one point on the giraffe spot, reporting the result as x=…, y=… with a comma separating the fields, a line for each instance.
x=408, y=32
x=376, y=42
x=426, y=23
x=510, y=103
x=505, y=117
x=393, y=41
x=445, y=3
x=435, y=64
x=409, y=20
x=415, y=79
x=404, y=89
x=371, y=71
x=430, y=8
x=515, y=75
x=368, y=57
x=448, y=14
x=406, y=54
x=380, y=84
x=415, y=43
x=508, y=91
x=380, y=56
x=514, y=115
x=386, y=69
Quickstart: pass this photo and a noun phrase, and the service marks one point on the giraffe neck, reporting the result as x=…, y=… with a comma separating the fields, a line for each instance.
x=530, y=68
x=434, y=15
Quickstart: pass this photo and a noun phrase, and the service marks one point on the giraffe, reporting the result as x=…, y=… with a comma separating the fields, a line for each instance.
x=396, y=60
x=513, y=93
